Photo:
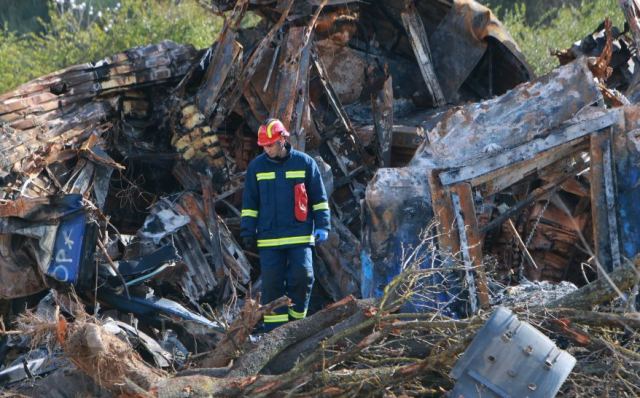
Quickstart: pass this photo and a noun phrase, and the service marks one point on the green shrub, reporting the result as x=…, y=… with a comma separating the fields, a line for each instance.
x=567, y=25
x=73, y=36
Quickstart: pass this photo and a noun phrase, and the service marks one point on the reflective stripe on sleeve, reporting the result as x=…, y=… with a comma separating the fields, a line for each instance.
x=294, y=174
x=249, y=213
x=321, y=206
x=290, y=240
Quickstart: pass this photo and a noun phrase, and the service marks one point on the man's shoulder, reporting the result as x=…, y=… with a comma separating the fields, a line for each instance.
x=302, y=156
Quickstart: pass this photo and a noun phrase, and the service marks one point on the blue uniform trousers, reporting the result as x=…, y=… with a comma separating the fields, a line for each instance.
x=289, y=272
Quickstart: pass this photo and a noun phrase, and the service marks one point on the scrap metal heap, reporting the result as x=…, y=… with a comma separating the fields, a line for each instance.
x=452, y=174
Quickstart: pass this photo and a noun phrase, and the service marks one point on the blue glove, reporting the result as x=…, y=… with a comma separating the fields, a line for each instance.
x=321, y=235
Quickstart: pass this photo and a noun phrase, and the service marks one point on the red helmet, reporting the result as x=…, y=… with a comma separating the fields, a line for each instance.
x=270, y=132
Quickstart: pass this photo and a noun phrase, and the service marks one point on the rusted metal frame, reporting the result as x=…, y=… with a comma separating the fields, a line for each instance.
x=531, y=149
x=220, y=65
x=470, y=239
x=610, y=196
x=599, y=211
x=420, y=44
x=382, y=107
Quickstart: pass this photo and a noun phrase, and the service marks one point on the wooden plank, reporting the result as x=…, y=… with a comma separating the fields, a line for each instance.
x=531, y=149
x=420, y=44
x=462, y=199
x=443, y=212
x=599, y=214
x=466, y=255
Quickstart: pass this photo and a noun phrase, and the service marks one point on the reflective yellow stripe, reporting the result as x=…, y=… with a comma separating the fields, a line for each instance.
x=269, y=126
x=276, y=318
x=296, y=314
x=291, y=240
x=249, y=213
x=266, y=176
x=321, y=206
x=295, y=174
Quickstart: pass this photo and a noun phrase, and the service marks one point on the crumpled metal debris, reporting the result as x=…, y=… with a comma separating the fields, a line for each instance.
x=121, y=179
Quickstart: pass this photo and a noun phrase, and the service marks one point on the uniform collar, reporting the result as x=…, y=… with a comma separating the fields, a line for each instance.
x=281, y=159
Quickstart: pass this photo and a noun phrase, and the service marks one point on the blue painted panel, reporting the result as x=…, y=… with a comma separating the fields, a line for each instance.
x=627, y=170
x=67, y=251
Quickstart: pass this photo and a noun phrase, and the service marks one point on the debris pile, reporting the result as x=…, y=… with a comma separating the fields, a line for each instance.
x=452, y=172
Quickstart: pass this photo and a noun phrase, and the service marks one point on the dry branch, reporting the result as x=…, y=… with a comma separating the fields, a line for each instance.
x=600, y=291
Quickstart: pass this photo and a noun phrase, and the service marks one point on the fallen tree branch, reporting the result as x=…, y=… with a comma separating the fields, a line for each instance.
x=593, y=318
x=600, y=291
x=230, y=346
x=276, y=341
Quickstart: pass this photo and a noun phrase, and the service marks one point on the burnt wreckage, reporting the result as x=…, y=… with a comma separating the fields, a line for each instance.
x=122, y=179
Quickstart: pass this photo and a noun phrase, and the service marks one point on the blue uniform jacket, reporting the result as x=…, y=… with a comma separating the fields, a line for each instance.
x=268, y=201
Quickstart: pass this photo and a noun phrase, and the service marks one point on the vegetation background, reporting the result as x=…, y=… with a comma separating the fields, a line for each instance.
x=40, y=36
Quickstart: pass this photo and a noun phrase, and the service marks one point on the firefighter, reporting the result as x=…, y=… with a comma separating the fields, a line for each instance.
x=284, y=213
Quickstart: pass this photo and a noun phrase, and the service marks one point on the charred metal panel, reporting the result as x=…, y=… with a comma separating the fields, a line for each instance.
x=482, y=168
x=459, y=44
x=527, y=112
x=185, y=223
